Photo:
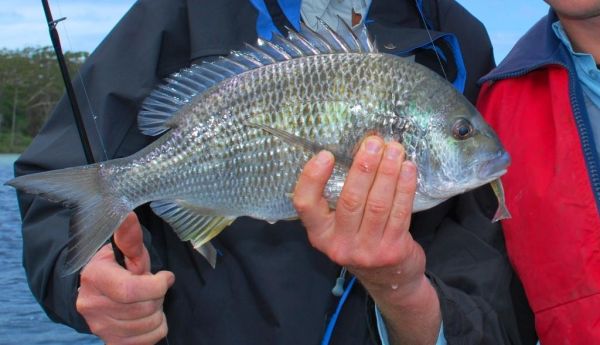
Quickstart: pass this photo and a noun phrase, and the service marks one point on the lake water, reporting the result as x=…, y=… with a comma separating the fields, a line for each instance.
x=22, y=321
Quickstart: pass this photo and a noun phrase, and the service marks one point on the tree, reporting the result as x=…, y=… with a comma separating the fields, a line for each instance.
x=30, y=86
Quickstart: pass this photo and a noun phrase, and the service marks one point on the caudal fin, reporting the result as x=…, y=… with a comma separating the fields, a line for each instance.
x=96, y=212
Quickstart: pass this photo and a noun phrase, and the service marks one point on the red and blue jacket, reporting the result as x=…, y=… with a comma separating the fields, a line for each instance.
x=535, y=103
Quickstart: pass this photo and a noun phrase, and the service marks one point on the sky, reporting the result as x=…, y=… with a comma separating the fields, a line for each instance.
x=22, y=22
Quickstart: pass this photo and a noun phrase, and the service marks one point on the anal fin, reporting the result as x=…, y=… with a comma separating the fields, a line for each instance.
x=194, y=224
x=209, y=252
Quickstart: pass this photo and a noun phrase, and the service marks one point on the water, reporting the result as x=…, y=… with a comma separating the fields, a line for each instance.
x=22, y=321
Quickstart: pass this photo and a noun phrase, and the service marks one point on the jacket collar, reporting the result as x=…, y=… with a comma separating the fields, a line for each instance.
x=539, y=47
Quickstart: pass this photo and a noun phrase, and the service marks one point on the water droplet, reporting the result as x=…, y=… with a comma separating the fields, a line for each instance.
x=399, y=272
x=394, y=286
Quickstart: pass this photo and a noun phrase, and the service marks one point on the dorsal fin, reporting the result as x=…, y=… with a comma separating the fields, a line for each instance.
x=180, y=88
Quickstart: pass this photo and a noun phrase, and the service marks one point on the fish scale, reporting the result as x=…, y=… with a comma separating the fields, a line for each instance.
x=236, y=132
x=251, y=156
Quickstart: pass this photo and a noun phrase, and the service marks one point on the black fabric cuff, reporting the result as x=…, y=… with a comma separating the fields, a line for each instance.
x=467, y=319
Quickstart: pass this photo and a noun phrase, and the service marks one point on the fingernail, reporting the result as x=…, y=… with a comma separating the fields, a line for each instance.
x=409, y=170
x=392, y=151
x=324, y=158
x=373, y=145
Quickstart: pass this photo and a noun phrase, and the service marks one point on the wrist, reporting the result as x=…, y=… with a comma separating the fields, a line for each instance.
x=412, y=316
x=411, y=295
x=396, y=280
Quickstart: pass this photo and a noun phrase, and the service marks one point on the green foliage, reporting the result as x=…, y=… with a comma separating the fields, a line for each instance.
x=16, y=144
x=30, y=86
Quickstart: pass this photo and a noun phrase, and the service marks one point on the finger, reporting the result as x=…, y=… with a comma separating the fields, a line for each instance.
x=308, y=200
x=107, y=277
x=381, y=196
x=96, y=307
x=151, y=337
x=136, y=327
x=350, y=206
x=104, y=254
x=130, y=240
x=135, y=311
x=400, y=215
x=90, y=302
x=124, y=287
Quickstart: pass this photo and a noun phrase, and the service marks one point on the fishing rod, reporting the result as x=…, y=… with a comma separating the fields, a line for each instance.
x=85, y=143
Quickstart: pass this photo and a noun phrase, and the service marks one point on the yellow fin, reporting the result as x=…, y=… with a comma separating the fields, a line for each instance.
x=193, y=223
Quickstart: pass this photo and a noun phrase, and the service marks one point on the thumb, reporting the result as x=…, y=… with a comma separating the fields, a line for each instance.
x=130, y=240
x=167, y=276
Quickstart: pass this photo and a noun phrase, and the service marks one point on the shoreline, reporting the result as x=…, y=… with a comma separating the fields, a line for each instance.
x=8, y=158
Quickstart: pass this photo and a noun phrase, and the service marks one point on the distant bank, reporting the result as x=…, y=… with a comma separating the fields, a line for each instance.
x=13, y=144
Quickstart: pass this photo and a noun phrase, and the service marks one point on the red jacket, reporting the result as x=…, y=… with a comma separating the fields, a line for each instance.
x=534, y=102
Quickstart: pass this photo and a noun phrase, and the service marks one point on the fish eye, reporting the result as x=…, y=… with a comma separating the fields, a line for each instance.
x=462, y=129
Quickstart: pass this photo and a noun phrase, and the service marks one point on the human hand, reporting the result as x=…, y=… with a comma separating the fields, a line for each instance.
x=368, y=231
x=124, y=306
x=368, y=234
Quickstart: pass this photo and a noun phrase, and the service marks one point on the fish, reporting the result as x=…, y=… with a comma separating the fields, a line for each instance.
x=234, y=133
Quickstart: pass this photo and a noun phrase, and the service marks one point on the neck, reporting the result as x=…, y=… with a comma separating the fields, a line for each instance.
x=583, y=34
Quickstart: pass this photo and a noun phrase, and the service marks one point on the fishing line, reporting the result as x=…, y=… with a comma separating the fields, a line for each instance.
x=84, y=88
x=422, y=16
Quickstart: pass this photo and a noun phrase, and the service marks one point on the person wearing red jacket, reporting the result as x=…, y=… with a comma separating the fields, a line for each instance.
x=544, y=102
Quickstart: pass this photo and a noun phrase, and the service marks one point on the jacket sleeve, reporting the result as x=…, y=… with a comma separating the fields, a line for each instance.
x=116, y=77
x=481, y=299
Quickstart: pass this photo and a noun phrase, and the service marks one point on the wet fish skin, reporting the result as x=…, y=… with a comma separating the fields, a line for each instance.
x=222, y=156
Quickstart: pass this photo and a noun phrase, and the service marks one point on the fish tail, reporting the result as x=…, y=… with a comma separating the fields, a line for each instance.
x=97, y=212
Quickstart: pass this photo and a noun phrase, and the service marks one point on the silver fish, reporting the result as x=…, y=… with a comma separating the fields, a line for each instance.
x=236, y=132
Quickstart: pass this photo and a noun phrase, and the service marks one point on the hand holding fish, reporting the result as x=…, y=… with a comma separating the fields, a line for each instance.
x=124, y=305
x=368, y=234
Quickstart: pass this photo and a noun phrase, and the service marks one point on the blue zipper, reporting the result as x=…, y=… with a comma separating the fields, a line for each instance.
x=583, y=126
x=589, y=148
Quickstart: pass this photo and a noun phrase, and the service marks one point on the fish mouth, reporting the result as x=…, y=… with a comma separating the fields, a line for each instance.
x=494, y=167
